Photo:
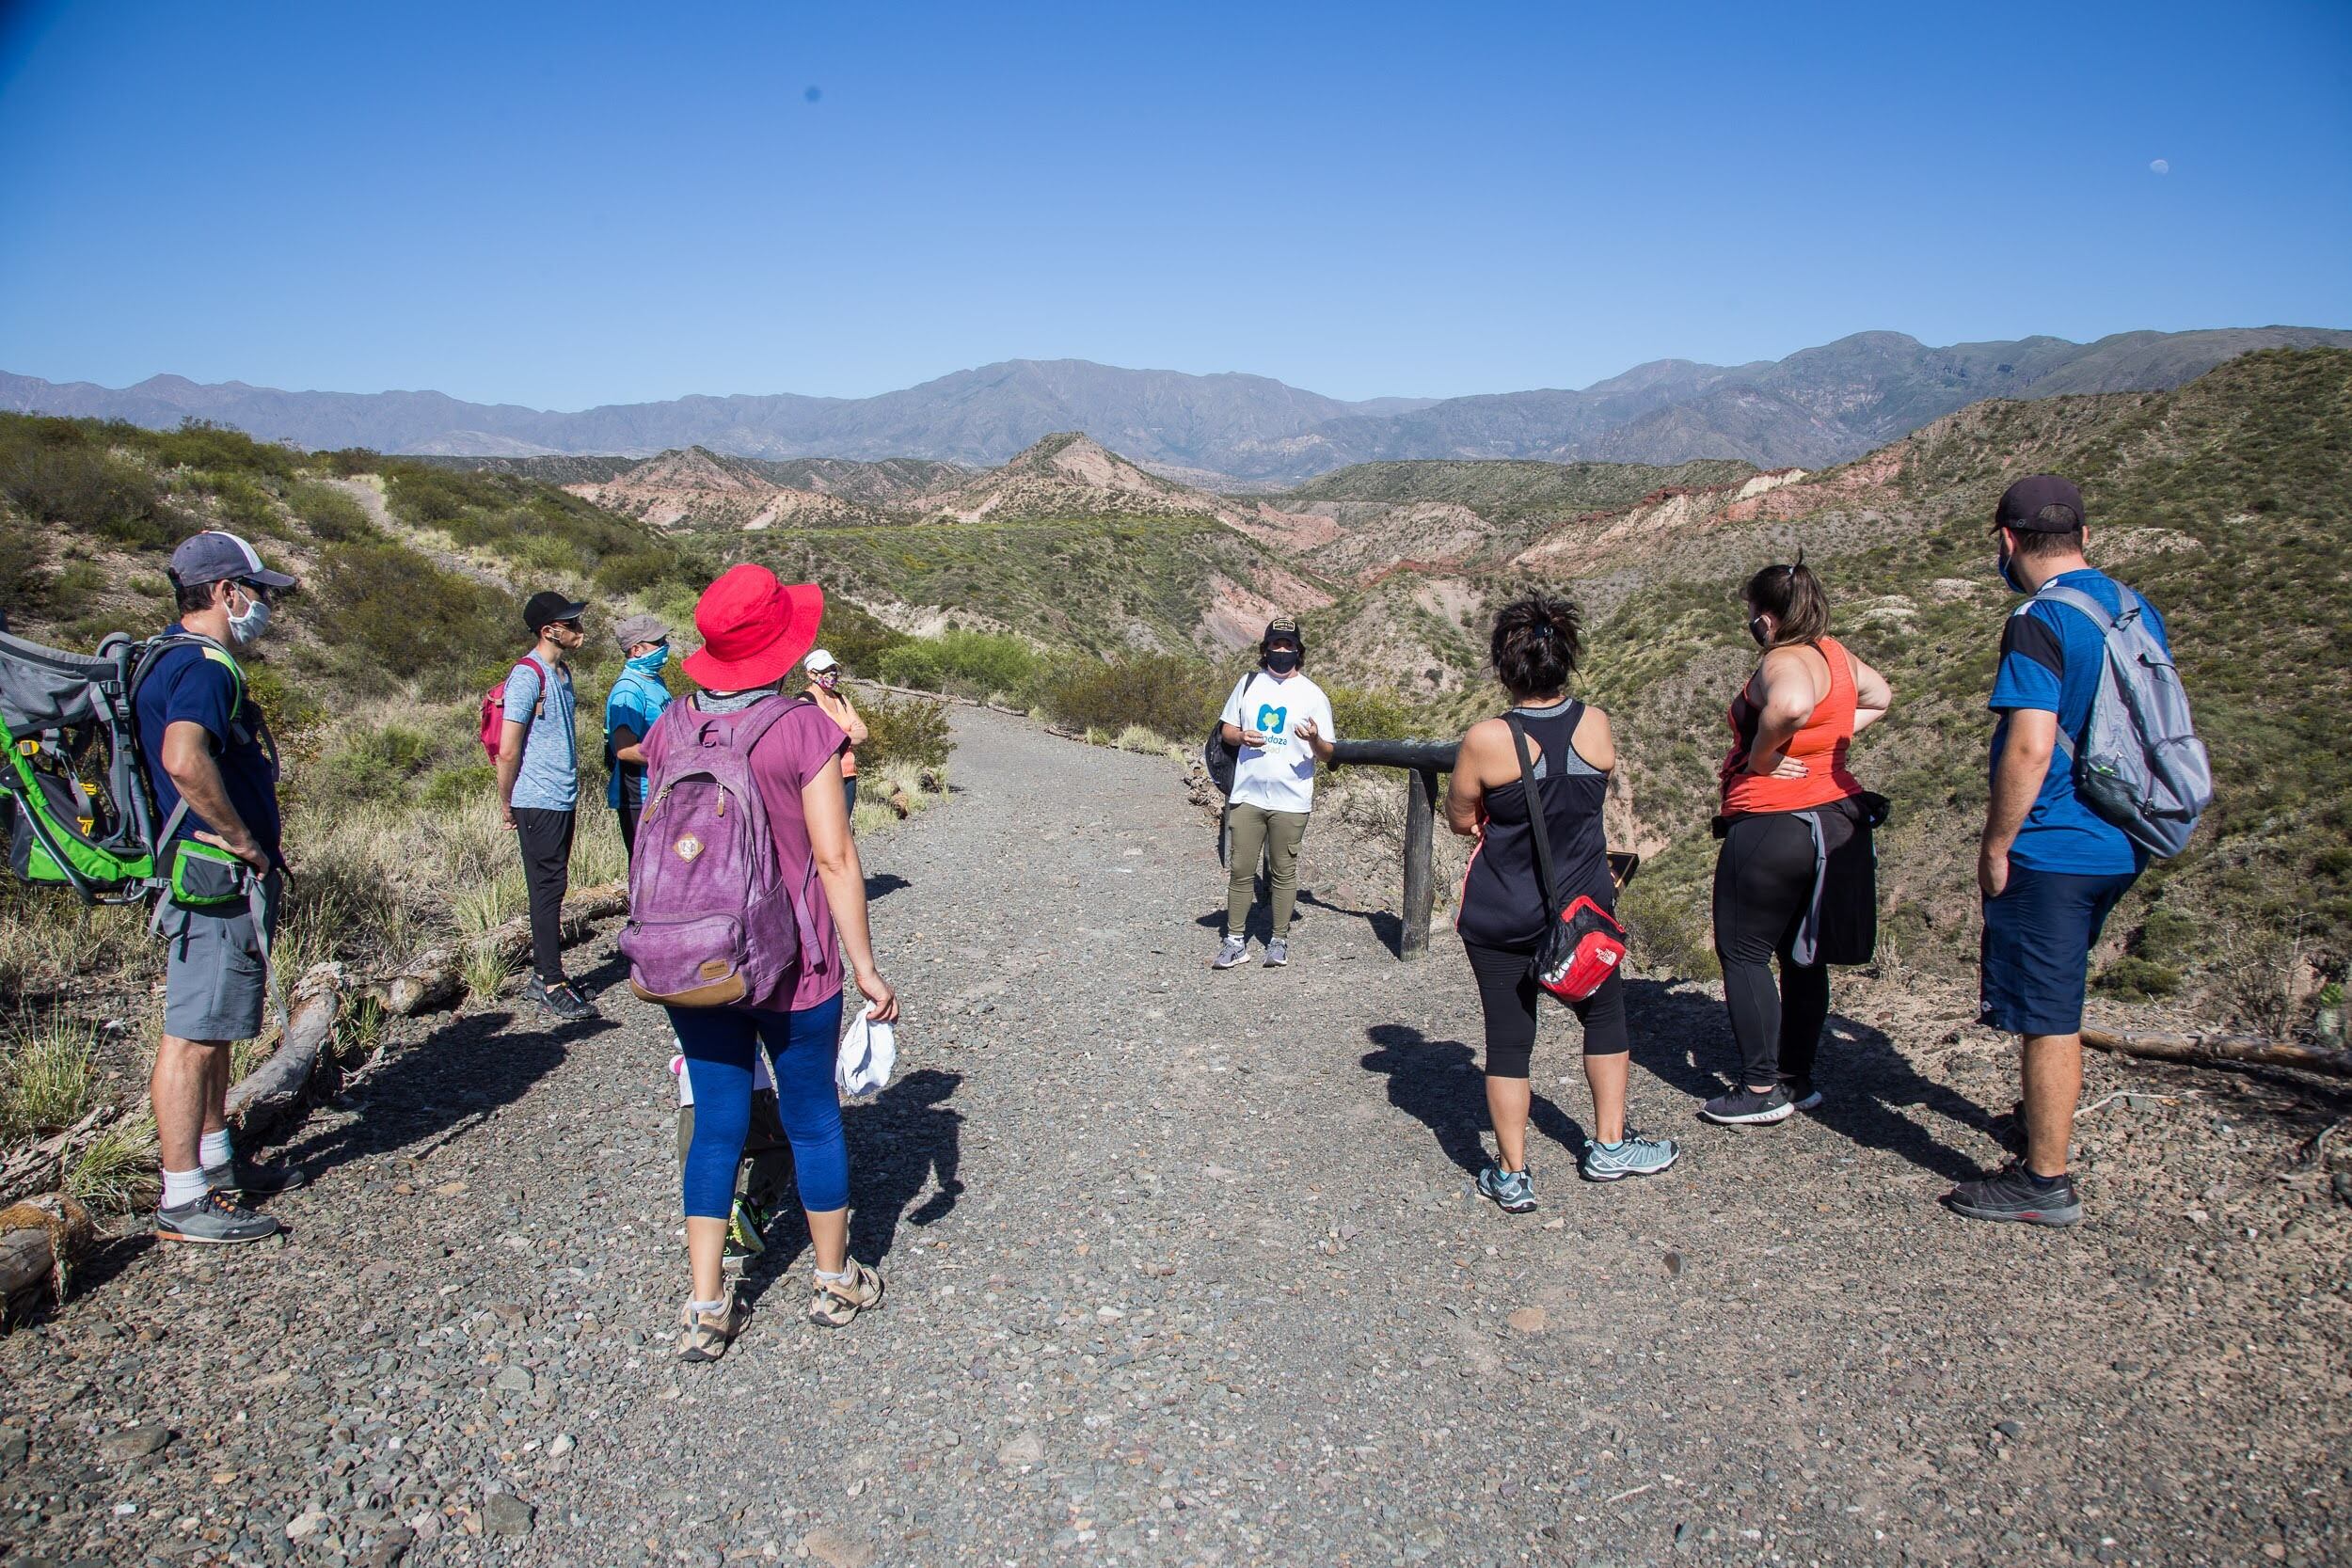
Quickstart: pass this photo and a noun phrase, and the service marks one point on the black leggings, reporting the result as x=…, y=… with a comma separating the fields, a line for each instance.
x=546, y=839
x=1763, y=885
x=1508, y=993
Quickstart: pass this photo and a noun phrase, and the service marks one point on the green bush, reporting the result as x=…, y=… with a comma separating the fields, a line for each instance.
x=1359, y=714
x=75, y=588
x=855, y=636
x=372, y=765
x=634, y=572
x=1166, y=693
x=391, y=612
x=331, y=516
x=968, y=663
x=2138, y=979
x=24, y=579
x=55, y=476
x=909, y=730
x=448, y=787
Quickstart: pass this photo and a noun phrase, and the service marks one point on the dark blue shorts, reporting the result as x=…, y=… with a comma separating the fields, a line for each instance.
x=2037, y=937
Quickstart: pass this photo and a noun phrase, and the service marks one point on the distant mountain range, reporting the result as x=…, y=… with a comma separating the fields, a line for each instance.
x=1818, y=405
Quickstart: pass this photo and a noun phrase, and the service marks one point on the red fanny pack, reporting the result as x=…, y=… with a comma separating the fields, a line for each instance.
x=1583, y=948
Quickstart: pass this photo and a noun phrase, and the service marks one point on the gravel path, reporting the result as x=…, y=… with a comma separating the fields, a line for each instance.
x=1184, y=1269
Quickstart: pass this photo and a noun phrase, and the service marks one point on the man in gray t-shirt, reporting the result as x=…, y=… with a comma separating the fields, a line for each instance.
x=539, y=787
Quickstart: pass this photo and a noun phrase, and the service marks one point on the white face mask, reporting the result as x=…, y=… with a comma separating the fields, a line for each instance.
x=248, y=628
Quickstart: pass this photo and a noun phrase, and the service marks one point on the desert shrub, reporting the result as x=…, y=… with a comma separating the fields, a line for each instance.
x=75, y=588
x=634, y=572
x=1163, y=693
x=392, y=613
x=908, y=730
x=349, y=462
x=245, y=506
x=60, y=476
x=331, y=516
x=2137, y=979
x=201, y=444
x=1361, y=715
x=24, y=579
x=454, y=785
x=968, y=663
x=372, y=765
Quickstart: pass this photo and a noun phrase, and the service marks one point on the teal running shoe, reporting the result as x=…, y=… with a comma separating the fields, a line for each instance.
x=1512, y=1190
x=1634, y=1156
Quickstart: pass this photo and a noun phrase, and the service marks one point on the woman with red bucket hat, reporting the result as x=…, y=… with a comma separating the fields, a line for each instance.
x=787, y=996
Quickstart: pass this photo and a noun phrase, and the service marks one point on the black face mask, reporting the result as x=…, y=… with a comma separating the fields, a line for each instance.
x=1756, y=629
x=1281, y=660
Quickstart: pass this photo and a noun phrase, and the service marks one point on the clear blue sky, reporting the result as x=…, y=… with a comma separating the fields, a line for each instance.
x=565, y=205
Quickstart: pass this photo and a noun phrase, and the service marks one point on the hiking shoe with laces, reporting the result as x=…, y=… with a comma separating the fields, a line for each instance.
x=2012, y=1195
x=1511, y=1190
x=837, y=1302
x=707, y=1334
x=1802, y=1095
x=1744, y=1107
x=251, y=1179
x=1634, y=1156
x=1232, y=952
x=215, y=1219
x=1277, y=953
x=561, y=1000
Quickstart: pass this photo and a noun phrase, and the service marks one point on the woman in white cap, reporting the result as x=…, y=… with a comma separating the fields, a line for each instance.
x=824, y=684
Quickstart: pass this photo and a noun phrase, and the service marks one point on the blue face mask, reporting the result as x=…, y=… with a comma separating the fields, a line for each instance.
x=650, y=664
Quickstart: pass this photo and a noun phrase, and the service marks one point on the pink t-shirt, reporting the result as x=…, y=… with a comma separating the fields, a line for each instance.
x=794, y=750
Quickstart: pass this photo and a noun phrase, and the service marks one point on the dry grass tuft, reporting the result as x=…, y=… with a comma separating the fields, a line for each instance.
x=46, y=1077
x=114, y=1172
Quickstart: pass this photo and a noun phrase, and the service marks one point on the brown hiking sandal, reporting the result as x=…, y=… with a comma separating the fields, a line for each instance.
x=708, y=1334
x=837, y=1302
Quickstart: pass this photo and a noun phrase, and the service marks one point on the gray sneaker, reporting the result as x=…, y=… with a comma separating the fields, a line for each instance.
x=2014, y=1194
x=1277, y=952
x=1744, y=1107
x=1512, y=1190
x=1635, y=1156
x=1234, y=950
x=215, y=1219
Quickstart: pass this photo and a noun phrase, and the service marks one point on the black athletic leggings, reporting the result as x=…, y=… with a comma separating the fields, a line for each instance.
x=1763, y=884
x=1508, y=993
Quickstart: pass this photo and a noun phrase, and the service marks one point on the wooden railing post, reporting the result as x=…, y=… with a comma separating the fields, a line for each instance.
x=1421, y=893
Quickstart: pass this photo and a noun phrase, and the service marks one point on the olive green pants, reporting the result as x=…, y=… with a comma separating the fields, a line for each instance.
x=1276, y=834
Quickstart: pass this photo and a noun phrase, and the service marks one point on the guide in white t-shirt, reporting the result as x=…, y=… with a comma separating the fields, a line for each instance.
x=1282, y=722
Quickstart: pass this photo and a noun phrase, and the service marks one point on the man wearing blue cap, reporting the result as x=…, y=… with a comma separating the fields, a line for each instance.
x=215, y=774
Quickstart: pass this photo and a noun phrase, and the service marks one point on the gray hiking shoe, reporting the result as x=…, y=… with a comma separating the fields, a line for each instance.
x=1802, y=1095
x=1277, y=953
x=2011, y=1194
x=245, y=1177
x=1512, y=1190
x=1634, y=1156
x=215, y=1220
x=1744, y=1107
x=560, y=999
x=1234, y=950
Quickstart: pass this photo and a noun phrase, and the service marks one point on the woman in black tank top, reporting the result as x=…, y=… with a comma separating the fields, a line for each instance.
x=1502, y=913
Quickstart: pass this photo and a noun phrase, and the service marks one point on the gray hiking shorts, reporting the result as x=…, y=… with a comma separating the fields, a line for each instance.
x=216, y=984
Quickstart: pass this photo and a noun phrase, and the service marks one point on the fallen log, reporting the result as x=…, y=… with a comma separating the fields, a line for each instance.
x=279, y=1086
x=435, y=978
x=39, y=1167
x=2207, y=1050
x=41, y=1240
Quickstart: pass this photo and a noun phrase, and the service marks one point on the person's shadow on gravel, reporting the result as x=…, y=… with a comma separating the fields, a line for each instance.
x=882, y=884
x=1387, y=929
x=1683, y=1037
x=1440, y=1084
x=439, y=1087
x=898, y=1140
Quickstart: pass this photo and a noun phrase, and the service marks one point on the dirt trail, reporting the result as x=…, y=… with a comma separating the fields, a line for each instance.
x=1184, y=1269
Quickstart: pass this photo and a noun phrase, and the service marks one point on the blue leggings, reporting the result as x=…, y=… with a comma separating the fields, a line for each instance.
x=718, y=1043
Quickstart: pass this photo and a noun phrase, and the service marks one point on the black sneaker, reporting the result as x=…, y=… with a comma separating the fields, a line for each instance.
x=251, y=1179
x=215, y=1219
x=1744, y=1107
x=560, y=999
x=2009, y=1193
x=1802, y=1095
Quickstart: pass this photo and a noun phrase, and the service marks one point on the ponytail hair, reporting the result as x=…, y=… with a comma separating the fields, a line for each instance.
x=1795, y=600
x=1536, y=644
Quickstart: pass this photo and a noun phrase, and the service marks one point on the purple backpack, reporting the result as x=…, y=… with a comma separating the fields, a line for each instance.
x=712, y=921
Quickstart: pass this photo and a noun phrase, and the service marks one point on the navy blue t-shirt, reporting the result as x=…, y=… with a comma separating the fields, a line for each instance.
x=2051, y=657
x=196, y=684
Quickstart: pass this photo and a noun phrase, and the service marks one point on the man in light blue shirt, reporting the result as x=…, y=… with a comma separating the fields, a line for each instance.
x=538, y=770
x=631, y=706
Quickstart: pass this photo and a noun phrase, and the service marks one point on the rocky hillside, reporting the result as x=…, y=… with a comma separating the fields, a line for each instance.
x=1817, y=407
x=699, y=489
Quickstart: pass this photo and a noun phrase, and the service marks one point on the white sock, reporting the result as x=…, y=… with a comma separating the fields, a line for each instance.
x=707, y=1308
x=182, y=1188
x=214, y=1152
x=836, y=1278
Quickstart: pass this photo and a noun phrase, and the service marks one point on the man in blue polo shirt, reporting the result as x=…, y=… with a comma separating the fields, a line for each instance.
x=214, y=774
x=2050, y=868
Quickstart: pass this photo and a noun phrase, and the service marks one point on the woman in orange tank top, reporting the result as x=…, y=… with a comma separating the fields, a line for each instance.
x=1788, y=802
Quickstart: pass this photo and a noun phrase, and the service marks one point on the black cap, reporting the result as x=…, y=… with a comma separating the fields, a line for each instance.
x=1283, y=633
x=2039, y=503
x=549, y=606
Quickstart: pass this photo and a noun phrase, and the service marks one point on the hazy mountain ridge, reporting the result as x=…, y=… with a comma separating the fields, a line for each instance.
x=1818, y=405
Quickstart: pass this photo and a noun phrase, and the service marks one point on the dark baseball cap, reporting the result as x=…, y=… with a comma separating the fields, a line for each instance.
x=1283, y=633
x=548, y=606
x=214, y=556
x=2039, y=503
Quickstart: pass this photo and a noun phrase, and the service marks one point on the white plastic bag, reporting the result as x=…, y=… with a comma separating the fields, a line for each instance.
x=869, y=1052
